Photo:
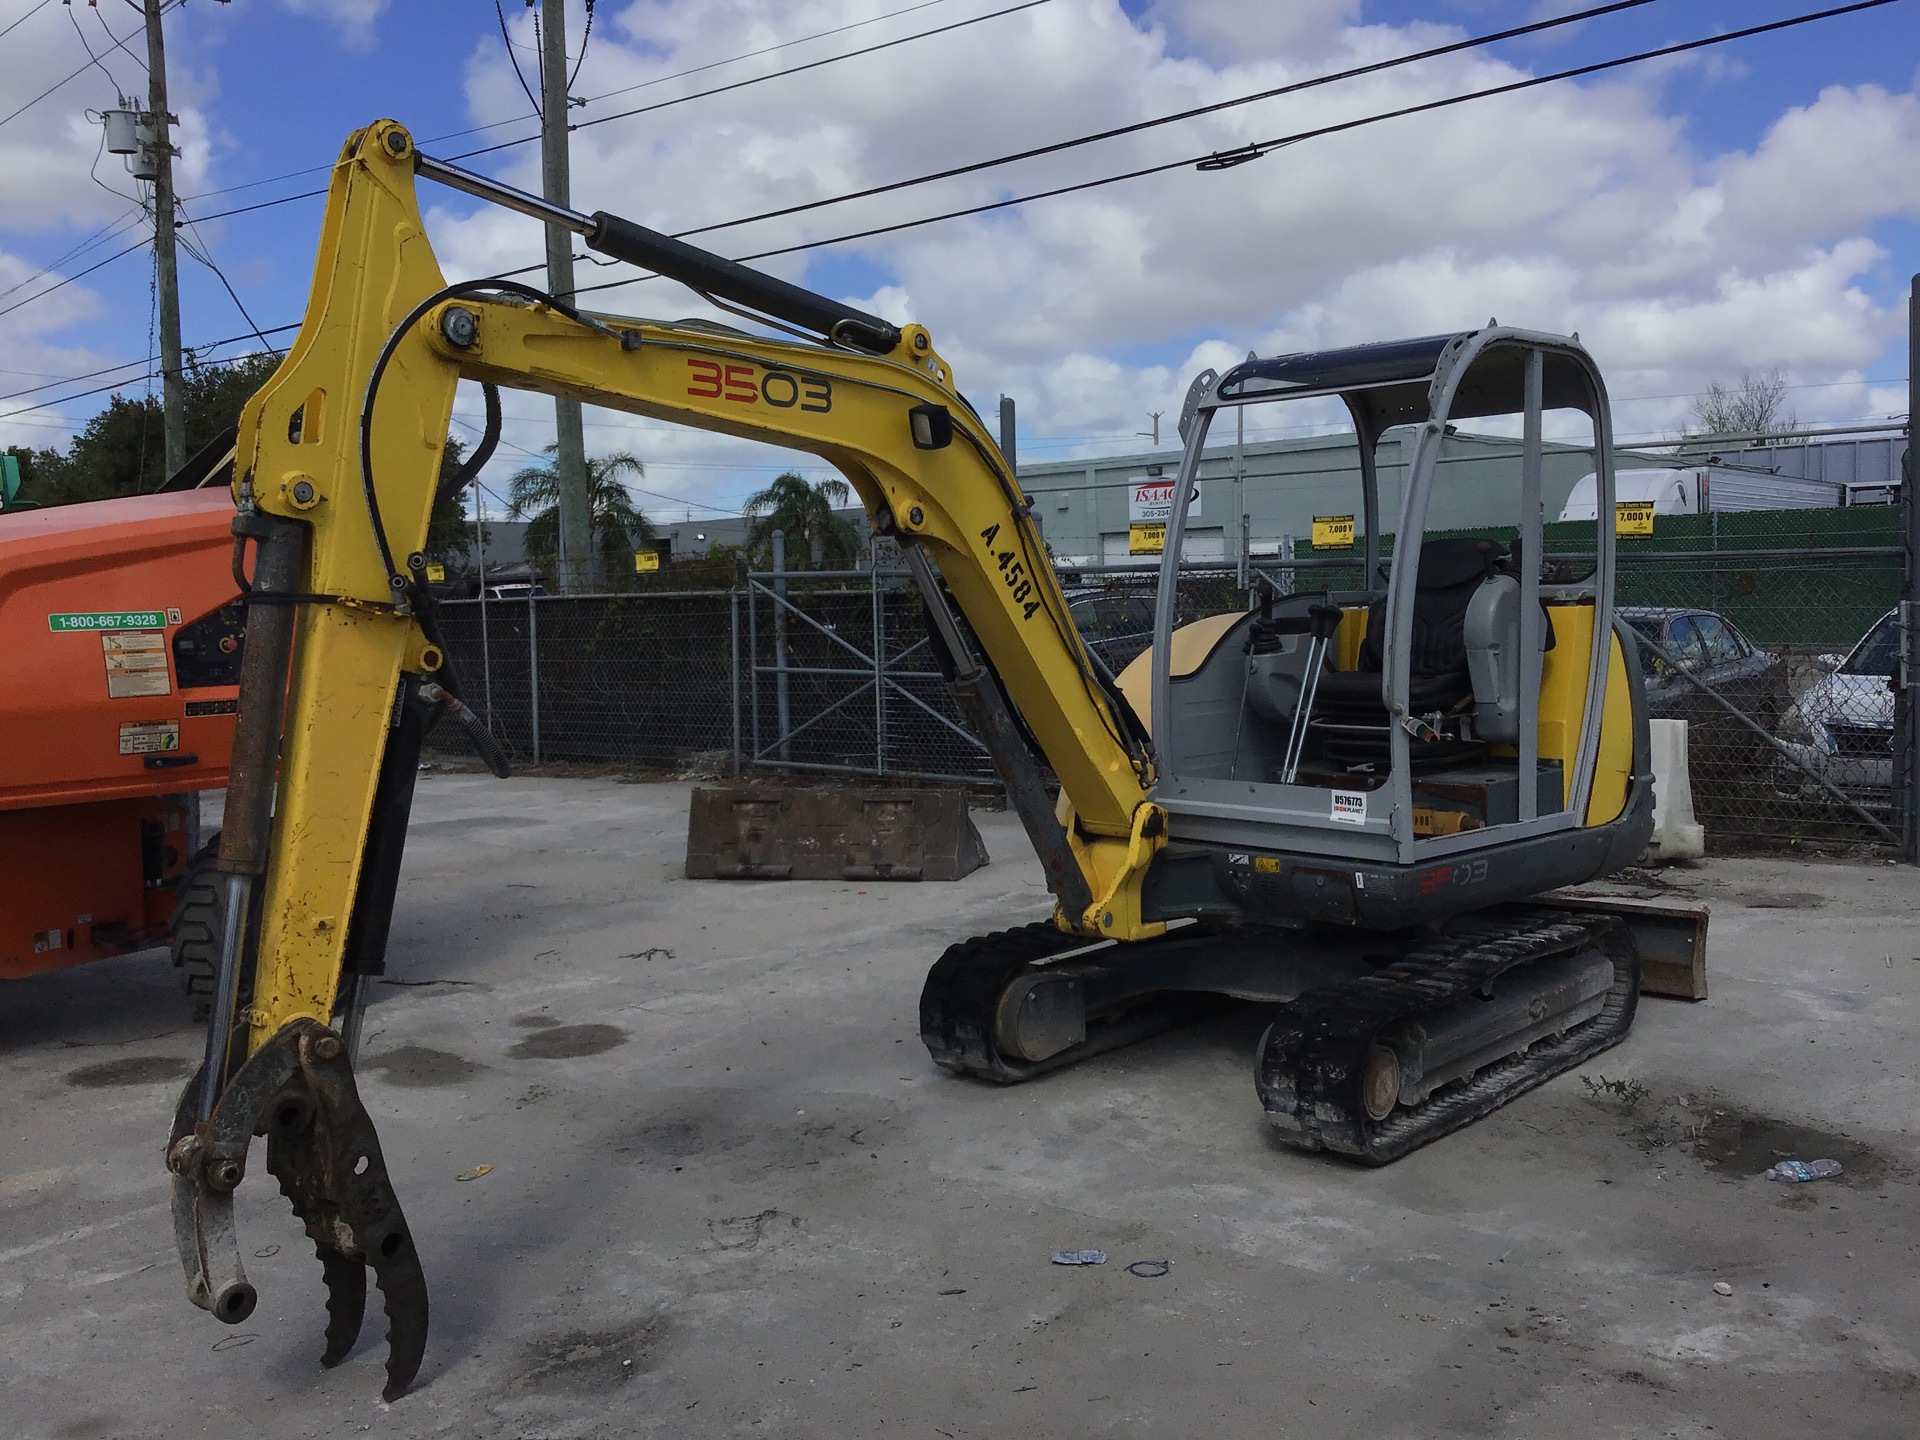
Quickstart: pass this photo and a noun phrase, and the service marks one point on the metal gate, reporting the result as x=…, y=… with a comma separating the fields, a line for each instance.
x=841, y=678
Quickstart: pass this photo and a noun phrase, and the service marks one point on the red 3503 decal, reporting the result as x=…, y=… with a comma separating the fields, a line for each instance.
x=748, y=385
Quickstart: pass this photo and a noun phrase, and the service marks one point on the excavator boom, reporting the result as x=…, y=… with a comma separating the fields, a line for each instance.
x=337, y=464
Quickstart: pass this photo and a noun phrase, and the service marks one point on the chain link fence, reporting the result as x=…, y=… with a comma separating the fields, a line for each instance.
x=641, y=679
x=1771, y=634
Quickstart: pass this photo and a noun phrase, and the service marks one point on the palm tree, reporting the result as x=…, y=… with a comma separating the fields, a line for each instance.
x=805, y=513
x=619, y=527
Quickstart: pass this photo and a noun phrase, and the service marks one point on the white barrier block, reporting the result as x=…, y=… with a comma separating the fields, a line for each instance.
x=1676, y=834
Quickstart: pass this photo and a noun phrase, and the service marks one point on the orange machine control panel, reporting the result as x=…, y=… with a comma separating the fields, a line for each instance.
x=121, y=632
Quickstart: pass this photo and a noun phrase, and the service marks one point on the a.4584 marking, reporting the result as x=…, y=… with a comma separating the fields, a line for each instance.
x=1013, y=571
x=745, y=385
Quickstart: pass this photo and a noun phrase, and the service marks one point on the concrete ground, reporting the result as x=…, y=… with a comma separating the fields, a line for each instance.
x=731, y=1196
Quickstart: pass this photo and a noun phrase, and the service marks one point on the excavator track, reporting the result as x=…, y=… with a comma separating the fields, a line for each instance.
x=1317, y=1059
x=961, y=1000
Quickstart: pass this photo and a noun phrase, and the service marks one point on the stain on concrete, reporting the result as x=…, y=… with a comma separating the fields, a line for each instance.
x=420, y=1067
x=92, y=1427
x=587, y=1362
x=132, y=1070
x=745, y=1232
x=535, y=1022
x=569, y=1042
x=1738, y=1142
x=673, y=1139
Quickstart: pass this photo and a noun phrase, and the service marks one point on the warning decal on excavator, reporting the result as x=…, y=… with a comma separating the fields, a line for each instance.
x=148, y=737
x=136, y=663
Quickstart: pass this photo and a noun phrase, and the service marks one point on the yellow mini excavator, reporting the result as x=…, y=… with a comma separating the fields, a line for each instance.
x=1347, y=802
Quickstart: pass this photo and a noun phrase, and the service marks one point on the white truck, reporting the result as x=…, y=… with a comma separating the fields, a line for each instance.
x=1704, y=488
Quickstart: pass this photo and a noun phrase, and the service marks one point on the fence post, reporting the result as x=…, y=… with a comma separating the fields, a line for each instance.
x=880, y=642
x=1907, y=627
x=486, y=642
x=733, y=652
x=783, y=715
x=753, y=668
x=533, y=670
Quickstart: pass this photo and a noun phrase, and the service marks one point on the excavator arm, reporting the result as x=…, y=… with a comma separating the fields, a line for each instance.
x=338, y=460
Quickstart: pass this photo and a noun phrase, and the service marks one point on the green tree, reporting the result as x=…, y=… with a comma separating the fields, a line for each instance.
x=120, y=451
x=805, y=513
x=450, y=528
x=619, y=526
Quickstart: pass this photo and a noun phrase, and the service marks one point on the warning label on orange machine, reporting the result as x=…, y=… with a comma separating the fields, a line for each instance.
x=149, y=737
x=136, y=663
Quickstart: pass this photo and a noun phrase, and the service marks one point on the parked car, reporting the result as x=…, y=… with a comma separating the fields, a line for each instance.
x=518, y=591
x=1117, y=624
x=1710, y=648
x=1842, y=727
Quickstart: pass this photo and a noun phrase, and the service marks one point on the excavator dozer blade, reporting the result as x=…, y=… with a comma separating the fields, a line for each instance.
x=298, y=1090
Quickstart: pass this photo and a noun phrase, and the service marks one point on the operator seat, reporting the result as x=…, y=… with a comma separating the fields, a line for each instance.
x=1349, y=714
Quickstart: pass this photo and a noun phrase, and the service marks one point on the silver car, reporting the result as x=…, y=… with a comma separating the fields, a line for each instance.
x=1842, y=727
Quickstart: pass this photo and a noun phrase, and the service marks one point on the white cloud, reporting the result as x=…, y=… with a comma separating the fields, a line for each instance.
x=352, y=18
x=31, y=355
x=1566, y=208
x=1569, y=207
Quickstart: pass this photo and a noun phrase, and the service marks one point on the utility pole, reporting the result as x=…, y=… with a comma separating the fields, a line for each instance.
x=577, y=567
x=1153, y=434
x=173, y=385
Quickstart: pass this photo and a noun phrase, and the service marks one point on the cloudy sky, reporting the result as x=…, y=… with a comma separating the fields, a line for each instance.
x=1748, y=206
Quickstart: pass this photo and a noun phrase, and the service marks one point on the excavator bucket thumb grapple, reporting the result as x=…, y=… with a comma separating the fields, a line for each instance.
x=298, y=1091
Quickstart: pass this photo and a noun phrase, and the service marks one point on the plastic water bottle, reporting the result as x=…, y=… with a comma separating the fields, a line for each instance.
x=1796, y=1171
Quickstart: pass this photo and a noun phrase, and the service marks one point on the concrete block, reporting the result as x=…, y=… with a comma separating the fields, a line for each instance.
x=840, y=832
x=1676, y=834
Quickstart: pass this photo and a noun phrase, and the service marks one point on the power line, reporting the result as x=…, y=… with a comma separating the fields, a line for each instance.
x=81, y=35
x=1248, y=152
x=80, y=248
x=204, y=254
x=91, y=62
x=24, y=18
x=78, y=274
x=766, y=50
x=1317, y=81
x=199, y=350
x=1255, y=151
x=812, y=64
x=514, y=59
x=591, y=99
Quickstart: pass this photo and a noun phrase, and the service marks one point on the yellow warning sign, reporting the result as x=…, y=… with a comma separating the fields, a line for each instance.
x=1332, y=532
x=436, y=573
x=1633, y=517
x=1149, y=539
x=645, y=560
